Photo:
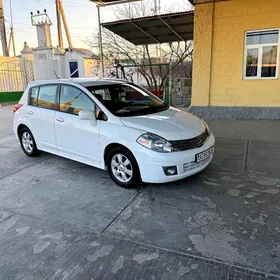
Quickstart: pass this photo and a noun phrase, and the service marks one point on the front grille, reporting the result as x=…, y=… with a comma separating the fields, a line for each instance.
x=188, y=144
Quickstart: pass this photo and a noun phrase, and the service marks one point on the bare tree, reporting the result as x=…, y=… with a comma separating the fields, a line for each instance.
x=119, y=52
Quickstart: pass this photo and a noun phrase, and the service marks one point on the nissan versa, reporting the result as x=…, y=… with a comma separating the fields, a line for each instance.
x=114, y=125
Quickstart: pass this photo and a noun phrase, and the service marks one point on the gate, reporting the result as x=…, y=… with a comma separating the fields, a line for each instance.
x=15, y=75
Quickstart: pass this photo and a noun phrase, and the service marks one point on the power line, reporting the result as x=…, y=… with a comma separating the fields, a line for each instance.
x=31, y=32
x=32, y=7
x=75, y=27
x=73, y=4
x=25, y=7
x=40, y=4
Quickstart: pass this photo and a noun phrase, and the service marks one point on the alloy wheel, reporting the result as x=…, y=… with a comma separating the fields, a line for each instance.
x=27, y=142
x=121, y=168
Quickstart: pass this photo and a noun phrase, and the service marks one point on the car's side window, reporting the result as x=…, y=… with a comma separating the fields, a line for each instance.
x=73, y=100
x=102, y=94
x=46, y=96
x=33, y=96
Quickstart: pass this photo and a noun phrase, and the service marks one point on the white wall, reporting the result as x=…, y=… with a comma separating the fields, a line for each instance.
x=44, y=69
x=43, y=54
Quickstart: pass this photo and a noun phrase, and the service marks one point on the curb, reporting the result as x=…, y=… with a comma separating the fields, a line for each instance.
x=7, y=104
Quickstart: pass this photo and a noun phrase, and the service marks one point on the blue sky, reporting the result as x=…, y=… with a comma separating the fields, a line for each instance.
x=81, y=16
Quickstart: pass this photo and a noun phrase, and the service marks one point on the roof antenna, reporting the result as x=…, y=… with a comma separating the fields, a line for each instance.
x=56, y=75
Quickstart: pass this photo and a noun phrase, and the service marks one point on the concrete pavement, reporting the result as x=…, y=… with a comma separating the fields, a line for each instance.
x=64, y=220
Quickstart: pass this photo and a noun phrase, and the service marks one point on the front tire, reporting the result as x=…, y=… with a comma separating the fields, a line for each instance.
x=28, y=143
x=123, y=168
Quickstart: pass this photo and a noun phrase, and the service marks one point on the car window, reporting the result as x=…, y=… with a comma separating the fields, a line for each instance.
x=73, y=100
x=102, y=94
x=130, y=94
x=128, y=100
x=33, y=96
x=46, y=97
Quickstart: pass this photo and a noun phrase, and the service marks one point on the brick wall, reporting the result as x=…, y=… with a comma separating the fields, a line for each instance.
x=230, y=21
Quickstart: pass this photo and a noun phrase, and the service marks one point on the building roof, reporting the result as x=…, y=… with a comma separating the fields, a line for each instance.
x=156, y=29
x=85, y=53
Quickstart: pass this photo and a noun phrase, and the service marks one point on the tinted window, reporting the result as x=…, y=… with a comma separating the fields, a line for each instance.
x=101, y=94
x=33, y=96
x=46, y=97
x=128, y=100
x=73, y=100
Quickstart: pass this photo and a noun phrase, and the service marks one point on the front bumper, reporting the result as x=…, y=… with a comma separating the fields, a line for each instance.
x=151, y=163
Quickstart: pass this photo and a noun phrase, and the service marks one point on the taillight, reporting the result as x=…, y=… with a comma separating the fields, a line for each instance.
x=17, y=106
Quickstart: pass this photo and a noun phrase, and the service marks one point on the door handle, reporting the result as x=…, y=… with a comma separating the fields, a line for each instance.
x=60, y=119
x=30, y=113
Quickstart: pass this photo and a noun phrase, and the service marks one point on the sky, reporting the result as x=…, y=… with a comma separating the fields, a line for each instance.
x=81, y=17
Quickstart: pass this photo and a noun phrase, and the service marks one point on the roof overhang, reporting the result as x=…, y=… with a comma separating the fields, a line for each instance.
x=199, y=2
x=157, y=29
x=112, y=2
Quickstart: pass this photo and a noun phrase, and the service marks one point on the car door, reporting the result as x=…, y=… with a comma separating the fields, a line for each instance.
x=40, y=116
x=76, y=139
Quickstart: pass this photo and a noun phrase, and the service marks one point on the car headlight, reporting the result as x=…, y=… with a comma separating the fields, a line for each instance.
x=155, y=143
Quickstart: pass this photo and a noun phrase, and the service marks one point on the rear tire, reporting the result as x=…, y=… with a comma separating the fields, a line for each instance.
x=28, y=143
x=123, y=168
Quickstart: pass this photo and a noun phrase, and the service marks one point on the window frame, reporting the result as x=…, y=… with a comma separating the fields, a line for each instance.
x=42, y=85
x=260, y=54
x=78, y=69
x=59, y=95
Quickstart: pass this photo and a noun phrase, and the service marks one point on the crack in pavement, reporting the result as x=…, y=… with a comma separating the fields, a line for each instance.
x=31, y=165
x=130, y=201
x=12, y=214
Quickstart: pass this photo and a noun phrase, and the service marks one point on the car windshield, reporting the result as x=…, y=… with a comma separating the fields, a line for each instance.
x=126, y=100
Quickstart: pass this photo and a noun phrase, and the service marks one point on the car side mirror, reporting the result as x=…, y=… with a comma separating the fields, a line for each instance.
x=86, y=115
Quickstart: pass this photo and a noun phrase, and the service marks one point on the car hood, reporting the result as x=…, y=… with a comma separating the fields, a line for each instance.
x=172, y=124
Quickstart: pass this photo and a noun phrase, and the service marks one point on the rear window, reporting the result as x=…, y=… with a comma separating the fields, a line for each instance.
x=33, y=98
x=43, y=96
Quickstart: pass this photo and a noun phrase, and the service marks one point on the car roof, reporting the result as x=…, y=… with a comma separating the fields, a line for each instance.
x=86, y=82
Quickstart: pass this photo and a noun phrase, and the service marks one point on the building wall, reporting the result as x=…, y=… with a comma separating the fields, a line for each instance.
x=46, y=54
x=202, y=54
x=46, y=69
x=90, y=66
x=223, y=84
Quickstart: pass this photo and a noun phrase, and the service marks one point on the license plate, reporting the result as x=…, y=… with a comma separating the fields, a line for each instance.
x=204, y=155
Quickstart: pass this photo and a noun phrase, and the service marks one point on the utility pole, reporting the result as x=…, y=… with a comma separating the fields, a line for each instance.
x=100, y=42
x=66, y=26
x=61, y=14
x=3, y=31
x=59, y=30
x=12, y=38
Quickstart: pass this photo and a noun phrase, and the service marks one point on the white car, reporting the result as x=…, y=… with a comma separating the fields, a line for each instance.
x=114, y=125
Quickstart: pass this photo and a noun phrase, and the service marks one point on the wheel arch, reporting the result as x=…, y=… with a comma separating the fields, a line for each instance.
x=20, y=127
x=112, y=146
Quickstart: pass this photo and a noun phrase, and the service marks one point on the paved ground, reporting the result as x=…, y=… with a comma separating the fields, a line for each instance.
x=63, y=220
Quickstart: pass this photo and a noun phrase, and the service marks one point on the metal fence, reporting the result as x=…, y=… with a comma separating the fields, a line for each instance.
x=15, y=75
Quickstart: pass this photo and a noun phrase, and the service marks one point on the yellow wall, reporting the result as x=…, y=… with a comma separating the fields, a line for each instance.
x=202, y=54
x=226, y=86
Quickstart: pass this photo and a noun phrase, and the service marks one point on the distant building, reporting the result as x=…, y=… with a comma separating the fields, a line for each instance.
x=51, y=62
